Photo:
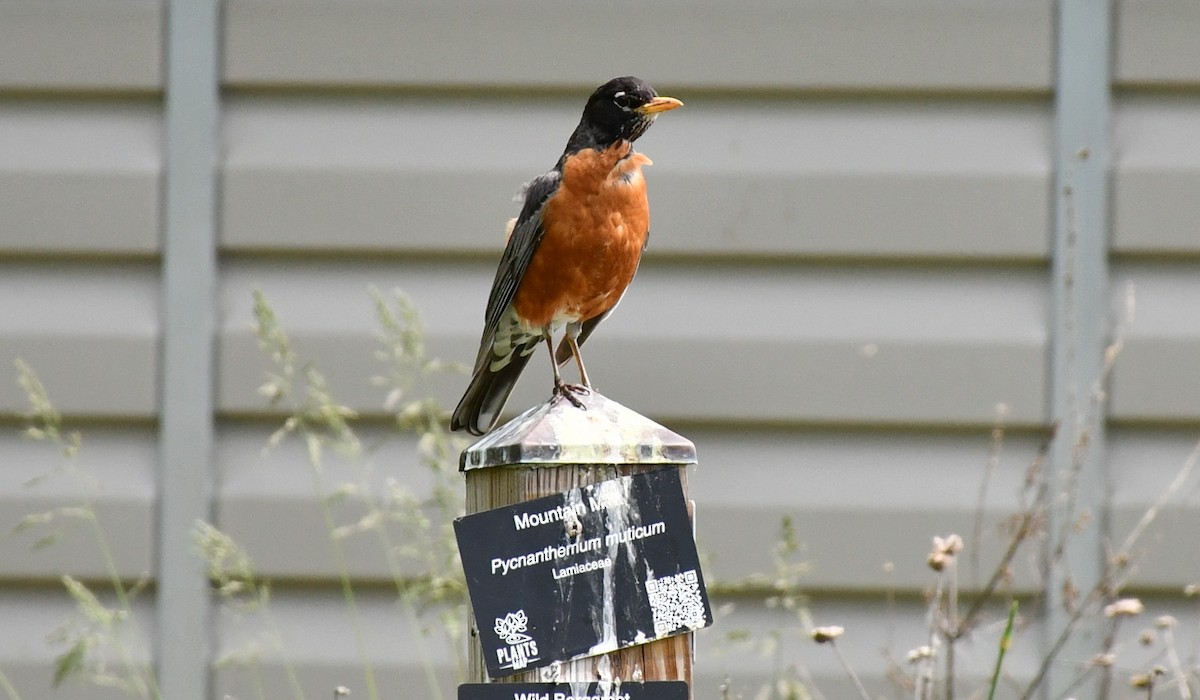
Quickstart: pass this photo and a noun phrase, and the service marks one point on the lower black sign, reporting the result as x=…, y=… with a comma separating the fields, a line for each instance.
x=589, y=571
x=653, y=690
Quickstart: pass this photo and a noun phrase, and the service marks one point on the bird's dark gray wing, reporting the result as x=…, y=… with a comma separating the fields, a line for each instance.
x=526, y=235
x=495, y=375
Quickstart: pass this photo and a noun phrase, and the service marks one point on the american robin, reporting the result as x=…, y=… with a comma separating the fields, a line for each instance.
x=572, y=252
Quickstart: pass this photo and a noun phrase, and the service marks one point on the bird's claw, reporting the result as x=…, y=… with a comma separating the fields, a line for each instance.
x=569, y=391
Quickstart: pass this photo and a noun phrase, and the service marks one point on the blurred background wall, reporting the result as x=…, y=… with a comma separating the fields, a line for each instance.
x=849, y=282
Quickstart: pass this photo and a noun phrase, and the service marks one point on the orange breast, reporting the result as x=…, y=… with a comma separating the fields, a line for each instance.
x=595, y=228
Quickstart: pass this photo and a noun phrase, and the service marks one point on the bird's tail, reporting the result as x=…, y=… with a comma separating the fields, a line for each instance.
x=485, y=397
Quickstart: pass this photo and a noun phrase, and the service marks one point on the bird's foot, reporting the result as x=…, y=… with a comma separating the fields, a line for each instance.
x=569, y=392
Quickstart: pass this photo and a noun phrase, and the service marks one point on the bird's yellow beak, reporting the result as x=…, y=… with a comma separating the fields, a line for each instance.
x=659, y=104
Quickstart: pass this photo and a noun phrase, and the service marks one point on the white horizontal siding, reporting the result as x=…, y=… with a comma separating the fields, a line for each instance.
x=311, y=631
x=1145, y=465
x=1155, y=43
x=818, y=44
x=90, y=331
x=1156, y=175
x=777, y=343
x=907, y=488
x=113, y=475
x=877, y=634
x=858, y=501
x=81, y=45
x=79, y=178
x=278, y=486
x=732, y=177
x=1156, y=375
x=28, y=659
x=746, y=483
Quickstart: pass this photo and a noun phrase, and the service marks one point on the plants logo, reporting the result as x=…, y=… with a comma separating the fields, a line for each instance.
x=521, y=647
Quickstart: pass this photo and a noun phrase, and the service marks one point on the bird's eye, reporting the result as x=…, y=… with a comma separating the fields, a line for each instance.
x=622, y=100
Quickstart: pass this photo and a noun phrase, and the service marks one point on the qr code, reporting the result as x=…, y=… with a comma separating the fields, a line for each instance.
x=676, y=602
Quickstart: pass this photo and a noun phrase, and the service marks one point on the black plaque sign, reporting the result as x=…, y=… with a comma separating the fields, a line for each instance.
x=589, y=571
x=654, y=690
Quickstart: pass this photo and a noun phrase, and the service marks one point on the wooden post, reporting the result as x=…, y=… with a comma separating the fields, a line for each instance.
x=552, y=448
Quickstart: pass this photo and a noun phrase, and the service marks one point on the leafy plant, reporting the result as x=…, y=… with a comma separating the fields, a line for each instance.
x=405, y=526
x=99, y=631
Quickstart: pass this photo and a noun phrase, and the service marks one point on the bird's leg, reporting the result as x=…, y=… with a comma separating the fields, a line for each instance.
x=573, y=343
x=561, y=388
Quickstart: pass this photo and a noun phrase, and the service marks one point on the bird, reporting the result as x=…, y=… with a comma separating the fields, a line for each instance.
x=571, y=252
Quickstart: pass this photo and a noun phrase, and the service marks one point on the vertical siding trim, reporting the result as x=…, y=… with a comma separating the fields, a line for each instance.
x=188, y=320
x=1080, y=329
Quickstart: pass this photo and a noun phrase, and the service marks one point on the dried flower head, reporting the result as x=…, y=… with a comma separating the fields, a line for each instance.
x=952, y=545
x=922, y=652
x=1103, y=660
x=1146, y=638
x=823, y=635
x=943, y=550
x=1125, y=606
x=1165, y=622
x=1146, y=680
x=1191, y=589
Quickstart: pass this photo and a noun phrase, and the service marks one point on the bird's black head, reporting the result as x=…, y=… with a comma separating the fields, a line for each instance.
x=621, y=109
